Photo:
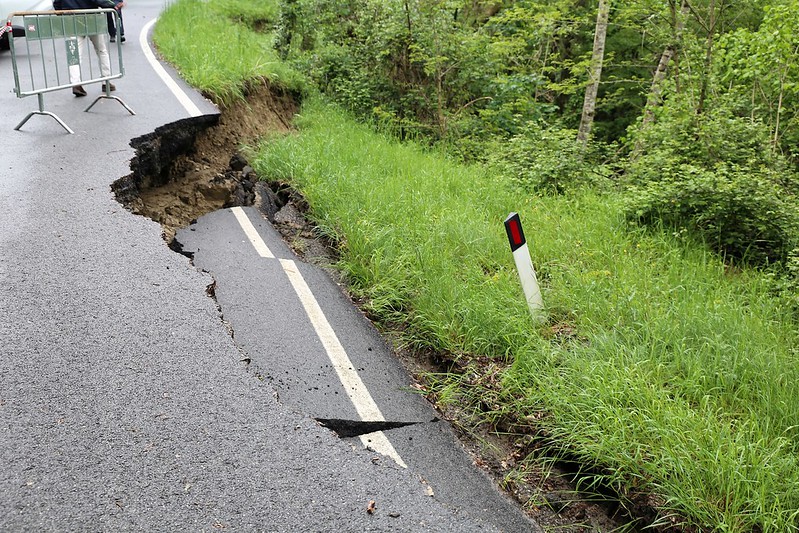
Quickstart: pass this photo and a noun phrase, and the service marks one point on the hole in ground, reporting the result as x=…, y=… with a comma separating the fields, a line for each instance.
x=356, y=428
x=192, y=167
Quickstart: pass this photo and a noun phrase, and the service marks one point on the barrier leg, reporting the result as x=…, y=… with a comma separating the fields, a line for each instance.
x=108, y=97
x=41, y=111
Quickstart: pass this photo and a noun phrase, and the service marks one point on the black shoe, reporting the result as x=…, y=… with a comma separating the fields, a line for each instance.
x=78, y=90
x=122, y=39
x=110, y=87
x=114, y=39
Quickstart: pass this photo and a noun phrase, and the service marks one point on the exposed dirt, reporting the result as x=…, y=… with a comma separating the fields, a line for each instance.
x=193, y=167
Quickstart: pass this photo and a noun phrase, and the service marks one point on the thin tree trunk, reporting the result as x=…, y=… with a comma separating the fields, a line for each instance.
x=653, y=100
x=595, y=74
x=780, y=101
x=776, y=140
x=711, y=30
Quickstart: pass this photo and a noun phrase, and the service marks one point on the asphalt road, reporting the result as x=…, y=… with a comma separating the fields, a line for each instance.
x=125, y=404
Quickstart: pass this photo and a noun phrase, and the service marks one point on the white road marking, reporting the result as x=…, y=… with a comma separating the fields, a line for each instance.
x=252, y=234
x=353, y=385
x=355, y=388
x=379, y=443
x=182, y=97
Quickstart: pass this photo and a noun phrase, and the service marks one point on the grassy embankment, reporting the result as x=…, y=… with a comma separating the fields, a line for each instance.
x=658, y=366
x=214, y=49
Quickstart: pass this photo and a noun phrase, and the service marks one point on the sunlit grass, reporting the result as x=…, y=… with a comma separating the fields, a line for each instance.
x=215, y=54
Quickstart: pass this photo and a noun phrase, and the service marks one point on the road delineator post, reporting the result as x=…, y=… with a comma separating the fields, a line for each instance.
x=524, y=266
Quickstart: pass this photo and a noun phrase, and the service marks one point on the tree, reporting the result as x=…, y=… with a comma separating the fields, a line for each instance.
x=595, y=72
x=669, y=53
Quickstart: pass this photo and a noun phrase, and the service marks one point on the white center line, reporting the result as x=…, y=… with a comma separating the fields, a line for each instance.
x=354, y=386
x=251, y=233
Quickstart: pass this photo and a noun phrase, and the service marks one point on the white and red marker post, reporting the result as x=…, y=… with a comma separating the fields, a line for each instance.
x=524, y=265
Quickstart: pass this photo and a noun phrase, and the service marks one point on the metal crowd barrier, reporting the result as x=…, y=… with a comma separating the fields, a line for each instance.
x=55, y=42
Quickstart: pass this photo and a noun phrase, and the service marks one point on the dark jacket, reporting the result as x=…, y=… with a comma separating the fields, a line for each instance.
x=63, y=5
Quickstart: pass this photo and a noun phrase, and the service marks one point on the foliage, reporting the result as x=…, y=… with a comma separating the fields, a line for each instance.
x=547, y=160
x=442, y=69
x=744, y=215
x=761, y=67
x=715, y=176
x=253, y=15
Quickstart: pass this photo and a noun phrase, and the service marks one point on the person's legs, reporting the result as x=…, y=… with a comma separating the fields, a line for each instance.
x=101, y=48
x=112, y=27
x=74, y=70
x=102, y=54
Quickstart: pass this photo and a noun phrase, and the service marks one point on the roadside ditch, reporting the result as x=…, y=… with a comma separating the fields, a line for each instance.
x=192, y=167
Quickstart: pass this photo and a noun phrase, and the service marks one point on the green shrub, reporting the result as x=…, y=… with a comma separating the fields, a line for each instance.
x=741, y=213
x=717, y=178
x=547, y=160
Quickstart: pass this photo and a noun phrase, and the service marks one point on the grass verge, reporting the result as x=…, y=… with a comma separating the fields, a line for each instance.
x=675, y=377
x=218, y=54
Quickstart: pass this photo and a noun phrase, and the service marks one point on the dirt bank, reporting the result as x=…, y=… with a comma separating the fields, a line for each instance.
x=192, y=167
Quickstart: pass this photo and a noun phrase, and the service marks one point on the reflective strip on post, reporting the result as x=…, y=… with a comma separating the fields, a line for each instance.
x=524, y=265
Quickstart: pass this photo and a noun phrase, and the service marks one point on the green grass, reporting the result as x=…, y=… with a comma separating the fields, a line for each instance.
x=679, y=378
x=217, y=55
x=671, y=375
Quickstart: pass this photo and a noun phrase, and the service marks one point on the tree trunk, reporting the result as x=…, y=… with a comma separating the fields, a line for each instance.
x=595, y=74
x=711, y=30
x=653, y=100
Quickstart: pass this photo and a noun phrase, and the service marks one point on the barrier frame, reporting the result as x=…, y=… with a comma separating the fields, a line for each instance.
x=75, y=28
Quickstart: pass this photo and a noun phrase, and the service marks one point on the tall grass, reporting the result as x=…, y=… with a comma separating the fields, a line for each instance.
x=679, y=378
x=217, y=55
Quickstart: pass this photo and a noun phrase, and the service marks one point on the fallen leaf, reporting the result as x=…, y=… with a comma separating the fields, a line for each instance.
x=371, y=508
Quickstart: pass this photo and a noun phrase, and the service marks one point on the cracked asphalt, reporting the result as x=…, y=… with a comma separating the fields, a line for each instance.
x=124, y=401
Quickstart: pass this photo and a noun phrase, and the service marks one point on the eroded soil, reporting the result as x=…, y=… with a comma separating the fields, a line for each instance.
x=194, y=167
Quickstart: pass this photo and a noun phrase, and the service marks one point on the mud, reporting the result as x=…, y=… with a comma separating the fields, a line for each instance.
x=192, y=167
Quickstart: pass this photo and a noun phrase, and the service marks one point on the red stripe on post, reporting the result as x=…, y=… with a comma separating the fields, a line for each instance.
x=513, y=227
x=516, y=236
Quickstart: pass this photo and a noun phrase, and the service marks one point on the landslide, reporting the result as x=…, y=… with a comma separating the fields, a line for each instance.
x=191, y=167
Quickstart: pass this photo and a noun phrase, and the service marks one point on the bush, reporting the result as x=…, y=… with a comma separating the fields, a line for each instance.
x=547, y=160
x=717, y=178
x=739, y=212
